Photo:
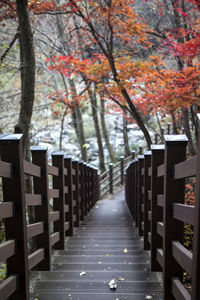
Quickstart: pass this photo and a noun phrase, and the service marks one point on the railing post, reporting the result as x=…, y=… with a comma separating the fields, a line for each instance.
x=59, y=203
x=156, y=139
x=69, y=195
x=133, y=199
x=168, y=128
x=157, y=188
x=15, y=227
x=111, y=177
x=76, y=192
x=196, y=236
x=140, y=194
x=122, y=169
x=42, y=213
x=133, y=154
x=174, y=191
x=136, y=191
x=82, y=194
x=147, y=203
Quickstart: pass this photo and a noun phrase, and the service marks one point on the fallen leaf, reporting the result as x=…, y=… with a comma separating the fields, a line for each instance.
x=148, y=297
x=82, y=273
x=112, y=284
x=99, y=262
x=109, y=254
x=121, y=278
x=125, y=250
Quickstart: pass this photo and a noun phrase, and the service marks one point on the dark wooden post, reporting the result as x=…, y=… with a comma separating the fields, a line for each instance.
x=196, y=236
x=147, y=203
x=111, y=177
x=133, y=154
x=59, y=203
x=156, y=139
x=42, y=213
x=133, y=199
x=140, y=150
x=81, y=192
x=69, y=195
x=140, y=194
x=15, y=227
x=89, y=183
x=136, y=192
x=157, y=188
x=174, y=191
x=122, y=169
x=86, y=189
x=76, y=193
x=168, y=128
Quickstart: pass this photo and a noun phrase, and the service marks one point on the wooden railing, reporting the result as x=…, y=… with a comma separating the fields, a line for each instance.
x=57, y=210
x=113, y=177
x=155, y=195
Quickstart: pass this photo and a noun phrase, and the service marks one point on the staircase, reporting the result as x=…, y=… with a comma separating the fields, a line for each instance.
x=105, y=247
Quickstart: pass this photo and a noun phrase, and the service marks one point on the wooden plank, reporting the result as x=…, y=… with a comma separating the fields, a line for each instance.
x=142, y=190
x=160, y=170
x=35, y=258
x=149, y=195
x=186, y=168
x=73, y=187
x=52, y=170
x=66, y=208
x=184, y=213
x=149, y=215
x=150, y=171
x=7, y=249
x=160, y=228
x=160, y=200
x=55, y=237
x=67, y=226
x=142, y=172
x=54, y=193
x=104, y=180
x=149, y=237
x=5, y=169
x=179, y=291
x=54, y=216
x=142, y=225
x=73, y=172
x=182, y=256
x=159, y=256
x=142, y=207
x=32, y=169
x=66, y=189
x=65, y=172
x=6, y=210
x=8, y=287
x=33, y=199
x=35, y=229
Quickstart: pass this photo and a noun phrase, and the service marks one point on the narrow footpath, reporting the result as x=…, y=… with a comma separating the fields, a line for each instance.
x=105, y=247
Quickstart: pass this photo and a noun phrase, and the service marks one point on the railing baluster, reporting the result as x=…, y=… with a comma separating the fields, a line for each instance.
x=69, y=195
x=174, y=191
x=147, y=203
x=196, y=236
x=59, y=203
x=111, y=177
x=15, y=227
x=42, y=213
x=157, y=187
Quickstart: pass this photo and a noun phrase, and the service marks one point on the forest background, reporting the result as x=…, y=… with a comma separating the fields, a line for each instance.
x=99, y=78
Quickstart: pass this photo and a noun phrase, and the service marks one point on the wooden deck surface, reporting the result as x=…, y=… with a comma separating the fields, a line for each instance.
x=105, y=247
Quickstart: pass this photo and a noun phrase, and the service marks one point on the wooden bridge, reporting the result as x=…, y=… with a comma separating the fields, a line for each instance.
x=83, y=248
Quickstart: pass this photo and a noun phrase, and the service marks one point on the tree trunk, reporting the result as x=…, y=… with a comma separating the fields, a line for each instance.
x=77, y=114
x=125, y=135
x=27, y=68
x=61, y=129
x=93, y=102
x=105, y=132
x=188, y=132
x=175, y=130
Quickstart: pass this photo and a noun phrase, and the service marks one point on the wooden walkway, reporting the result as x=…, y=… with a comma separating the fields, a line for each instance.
x=105, y=247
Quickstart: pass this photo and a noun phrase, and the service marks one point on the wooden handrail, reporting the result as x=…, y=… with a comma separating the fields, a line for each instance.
x=160, y=214
x=74, y=190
